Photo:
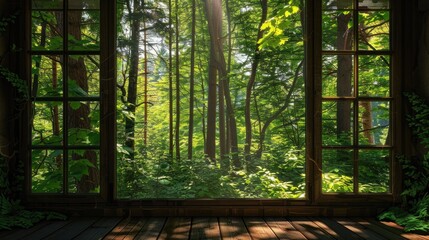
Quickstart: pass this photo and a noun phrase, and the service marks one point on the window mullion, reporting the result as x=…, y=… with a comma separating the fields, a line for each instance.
x=65, y=99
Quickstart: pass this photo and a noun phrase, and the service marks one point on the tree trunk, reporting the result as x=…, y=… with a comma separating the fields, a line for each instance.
x=213, y=9
x=367, y=121
x=132, y=79
x=146, y=103
x=224, y=161
x=229, y=59
x=79, y=118
x=251, y=162
x=192, y=83
x=170, y=80
x=344, y=77
x=210, y=148
x=177, y=132
x=278, y=112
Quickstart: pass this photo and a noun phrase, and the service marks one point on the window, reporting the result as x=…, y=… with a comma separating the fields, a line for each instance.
x=287, y=100
x=203, y=118
x=356, y=101
x=65, y=97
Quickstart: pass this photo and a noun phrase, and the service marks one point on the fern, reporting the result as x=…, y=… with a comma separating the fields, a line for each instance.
x=414, y=213
x=12, y=215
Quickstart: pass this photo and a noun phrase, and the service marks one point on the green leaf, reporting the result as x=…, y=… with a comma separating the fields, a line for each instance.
x=75, y=105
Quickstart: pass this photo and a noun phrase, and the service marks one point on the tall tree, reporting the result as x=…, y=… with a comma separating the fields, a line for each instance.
x=217, y=66
x=170, y=79
x=192, y=82
x=247, y=116
x=134, y=8
x=78, y=118
x=213, y=9
x=177, y=75
x=344, y=74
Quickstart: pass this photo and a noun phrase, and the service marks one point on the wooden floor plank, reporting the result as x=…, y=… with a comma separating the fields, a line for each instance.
x=152, y=229
x=259, y=229
x=228, y=228
x=233, y=228
x=135, y=230
x=71, y=230
x=310, y=229
x=359, y=229
x=100, y=228
x=205, y=228
x=398, y=230
x=21, y=233
x=284, y=229
x=388, y=234
x=117, y=231
x=176, y=228
x=127, y=230
x=47, y=230
x=335, y=229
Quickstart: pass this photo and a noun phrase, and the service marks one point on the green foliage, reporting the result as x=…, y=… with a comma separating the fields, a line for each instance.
x=19, y=84
x=4, y=175
x=413, y=214
x=334, y=182
x=12, y=215
x=275, y=27
x=5, y=21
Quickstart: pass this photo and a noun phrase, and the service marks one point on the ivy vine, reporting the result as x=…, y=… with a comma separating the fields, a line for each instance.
x=19, y=84
x=413, y=215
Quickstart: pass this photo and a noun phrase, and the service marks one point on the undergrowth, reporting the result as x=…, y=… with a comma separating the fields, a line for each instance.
x=13, y=214
x=413, y=215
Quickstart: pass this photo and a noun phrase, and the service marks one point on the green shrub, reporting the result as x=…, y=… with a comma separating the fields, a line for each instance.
x=413, y=215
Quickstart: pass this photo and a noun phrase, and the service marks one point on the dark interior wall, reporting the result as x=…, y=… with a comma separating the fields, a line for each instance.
x=422, y=63
x=4, y=89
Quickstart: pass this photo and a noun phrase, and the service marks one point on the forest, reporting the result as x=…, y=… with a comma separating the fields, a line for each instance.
x=210, y=98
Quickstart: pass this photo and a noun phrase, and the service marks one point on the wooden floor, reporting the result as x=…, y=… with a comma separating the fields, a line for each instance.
x=212, y=228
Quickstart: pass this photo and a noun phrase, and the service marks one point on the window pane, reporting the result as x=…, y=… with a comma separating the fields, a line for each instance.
x=374, y=30
x=47, y=32
x=84, y=4
x=47, y=125
x=84, y=76
x=374, y=4
x=374, y=123
x=84, y=30
x=84, y=171
x=84, y=123
x=337, y=4
x=374, y=76
x=337, y=123
x=47, y=4
x=374, y=171
x=337, y=78
x=337, y=30
x=337, y=168
x=47, y=76
x=46, y=171
x=273, y=167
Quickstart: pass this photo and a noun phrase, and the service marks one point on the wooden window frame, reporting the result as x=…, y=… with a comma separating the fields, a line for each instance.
x=315, y=202
x=396, y=117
